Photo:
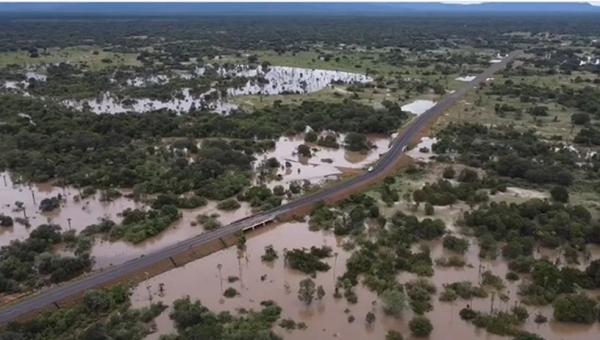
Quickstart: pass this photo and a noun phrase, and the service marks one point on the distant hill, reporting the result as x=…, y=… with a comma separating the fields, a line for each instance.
x=360, y=9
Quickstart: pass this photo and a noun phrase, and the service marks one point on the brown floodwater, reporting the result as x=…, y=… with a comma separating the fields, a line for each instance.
x=325, y=163
x=81, y=213
x=326, y=319
x=89, y=211
x=445, y=315
x=107, y=253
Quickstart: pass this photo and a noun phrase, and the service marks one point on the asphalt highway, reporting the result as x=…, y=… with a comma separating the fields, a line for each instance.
x=385, y=166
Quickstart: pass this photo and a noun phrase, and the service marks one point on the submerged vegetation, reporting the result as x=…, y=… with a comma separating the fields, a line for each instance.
x=30, y=264
x=511, y=173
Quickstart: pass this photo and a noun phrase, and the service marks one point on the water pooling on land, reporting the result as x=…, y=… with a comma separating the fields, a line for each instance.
x=326, y=319
x=90, y=210
x=284, y=79
x=325, y=163
x=83, y=212
x=418, y=106
x=107, y=253
x=273, y=80
x=79, y=212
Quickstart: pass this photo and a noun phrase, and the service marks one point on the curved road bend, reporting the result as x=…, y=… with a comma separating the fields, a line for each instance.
x=384, y=166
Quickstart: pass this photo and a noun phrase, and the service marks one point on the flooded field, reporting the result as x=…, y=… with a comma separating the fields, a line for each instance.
x=325, y=319
x=109, y=104
x=274, y=80
x=206, y=279
x=107, y=253
x=325, y=163
x=74, y=213
x=284, y=79
x=22, y=85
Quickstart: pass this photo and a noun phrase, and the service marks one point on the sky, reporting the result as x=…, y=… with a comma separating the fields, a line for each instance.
x=314, y=8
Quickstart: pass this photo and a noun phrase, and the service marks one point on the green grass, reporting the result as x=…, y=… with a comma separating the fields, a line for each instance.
x=466, y=110
x=75, y=55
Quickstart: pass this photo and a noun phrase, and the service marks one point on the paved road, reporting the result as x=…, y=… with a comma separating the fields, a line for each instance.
x=384, y=167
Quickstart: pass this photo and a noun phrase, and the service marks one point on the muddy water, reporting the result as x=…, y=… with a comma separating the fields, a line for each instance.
x=325, y=163
x=203, y=280
x=108, y=253
x=447, y=322
x=325, y=319
x=81, y=213
x=89, y=211
x=445, y=318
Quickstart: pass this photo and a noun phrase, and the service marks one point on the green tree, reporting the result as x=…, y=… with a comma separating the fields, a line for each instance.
x=320, y=293
x=394, y=301
x=97, y=301
x=356, y=142
x=580, y=118
x=449, y=172
x=310, y=137
x=429, y=210
x=560, y=194
x=304, y=150
x=575, y=308
x=370, y=318
x=393, y=335
x=306, y=291
x=420, y=326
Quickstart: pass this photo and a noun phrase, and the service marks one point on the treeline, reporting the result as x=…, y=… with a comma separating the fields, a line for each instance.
x=521, y=227
x=282, y=33
x=470, y=189
x=194, y=321
x=126, y=150
x=139, y=225
x=346, y=116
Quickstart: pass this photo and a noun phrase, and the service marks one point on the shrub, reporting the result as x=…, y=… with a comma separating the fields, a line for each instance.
x=270, y=254
x=449, y=172
x=560, y=194
x=393, y=335
x=6, y=221
x=575, y=308
x=580, y=118
x=230, y=292
x=228, y=204
x=456, y=244
x=420, y=326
